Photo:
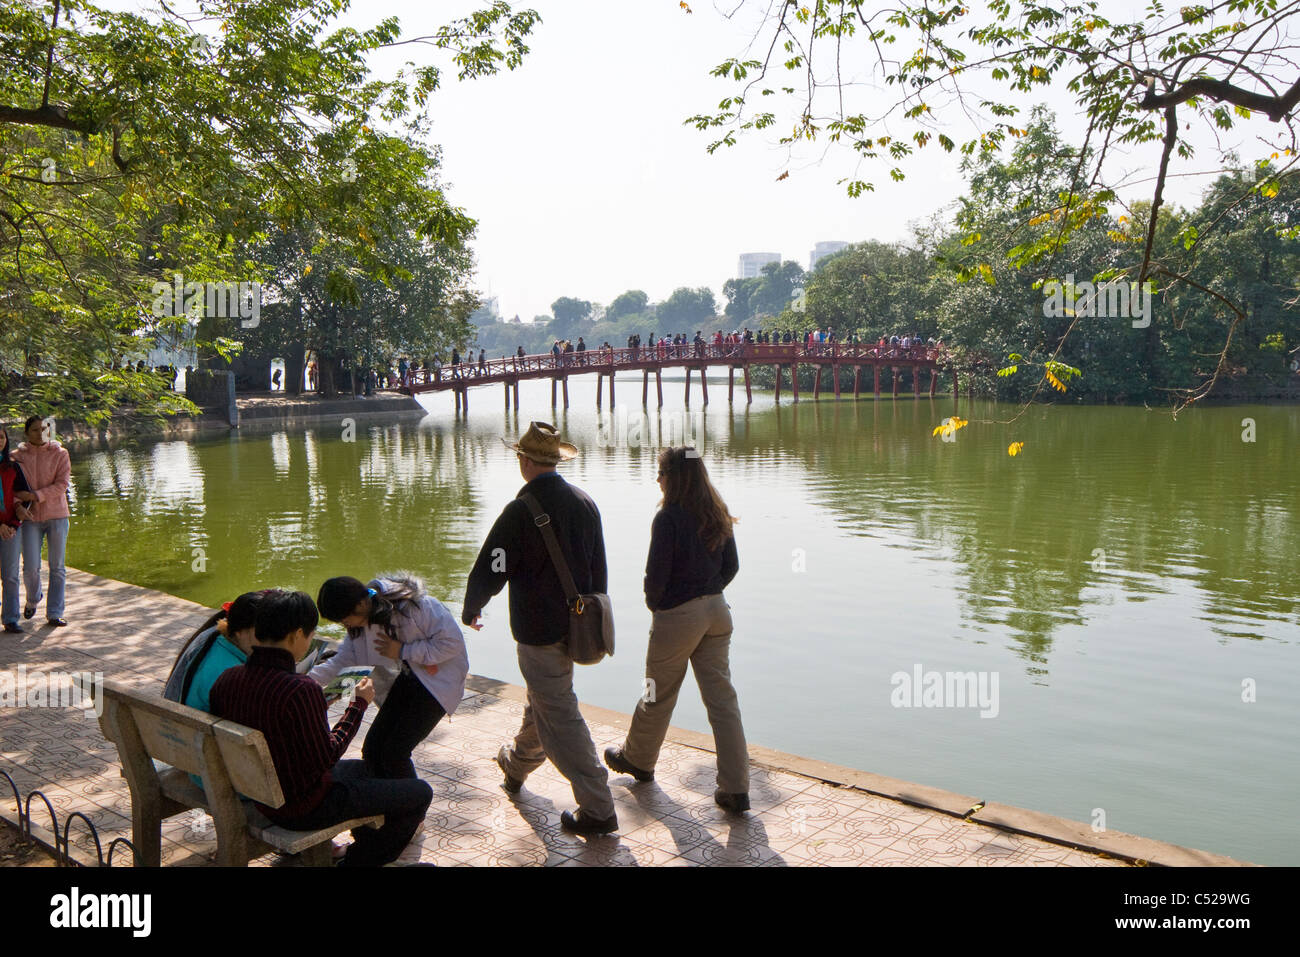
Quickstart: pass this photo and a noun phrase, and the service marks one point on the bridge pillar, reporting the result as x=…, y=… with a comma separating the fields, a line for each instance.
x=659, y=386
x=934, y=380
x=857, y=381
x=893, y=371
x=516, y=395
x=645, y=388
x=464, y=399
x=552, y=392
x=817, y=383
x=600, y=385
x=875, y=371
x=564, y=384
x=507, y=385
x=688, y=385
x=794, y=380
x=611, y=388
x=749, y=395
x=731, y=384
x=776, y=396
x=704, y=383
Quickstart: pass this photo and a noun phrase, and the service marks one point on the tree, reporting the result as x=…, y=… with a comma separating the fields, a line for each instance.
x=136, y=147
x=961, y=75
x=629, y=303
x=686, y=308
x=570, y=315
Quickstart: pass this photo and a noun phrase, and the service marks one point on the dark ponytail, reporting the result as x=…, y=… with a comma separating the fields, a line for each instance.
x=339, y=597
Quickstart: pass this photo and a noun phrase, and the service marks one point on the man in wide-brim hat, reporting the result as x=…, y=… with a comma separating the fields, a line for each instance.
x=515, y=552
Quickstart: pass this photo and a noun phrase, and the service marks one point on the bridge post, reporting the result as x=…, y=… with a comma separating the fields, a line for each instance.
x=875, y=371
x=507, y=385
x=893, y=371
x=731, y=384
x=659, y=386
x=611, y=388
x=749, y=395
x=835, y=372
x=704, y=383
x=456, y=393
x=552, y=392
x=645, y=388
x=817, y=383
x=934, y=380
x=464, y=399
x=776, y=396
x=688, y=385
x=916, y=380
x=564, y=384
x=857, y=382
x=794, y=380
x=954, y=384
x=600, y=385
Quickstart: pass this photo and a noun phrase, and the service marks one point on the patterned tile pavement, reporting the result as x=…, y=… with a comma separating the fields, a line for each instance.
x=131, y=634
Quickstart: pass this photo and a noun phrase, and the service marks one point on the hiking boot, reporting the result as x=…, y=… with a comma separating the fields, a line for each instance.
x=733, y=803
x=511, y=784
x=614, y=758
x=582, y=824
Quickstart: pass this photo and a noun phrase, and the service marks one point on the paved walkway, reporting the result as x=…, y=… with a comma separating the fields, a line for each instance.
x=131, y=634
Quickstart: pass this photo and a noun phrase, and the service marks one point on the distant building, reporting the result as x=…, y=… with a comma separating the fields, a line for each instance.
x=751, y=264
x=486, y=314
x=822, y=250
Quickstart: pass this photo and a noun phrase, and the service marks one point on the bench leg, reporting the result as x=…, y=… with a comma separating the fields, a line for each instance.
x=318, y=855
x=146, y=827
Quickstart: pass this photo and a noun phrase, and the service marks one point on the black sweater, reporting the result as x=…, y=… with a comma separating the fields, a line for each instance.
x=515, y=552
x=679, y=567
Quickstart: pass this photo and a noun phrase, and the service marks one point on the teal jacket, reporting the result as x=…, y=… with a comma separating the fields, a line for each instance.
x=223, y=654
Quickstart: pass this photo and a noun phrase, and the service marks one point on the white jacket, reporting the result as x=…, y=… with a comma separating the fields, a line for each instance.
x=430, y=635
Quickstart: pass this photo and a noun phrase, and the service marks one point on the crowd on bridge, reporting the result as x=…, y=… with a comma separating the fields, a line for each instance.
x=565, y=353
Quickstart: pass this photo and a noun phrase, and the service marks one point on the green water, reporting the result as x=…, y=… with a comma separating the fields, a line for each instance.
x=1123, y=579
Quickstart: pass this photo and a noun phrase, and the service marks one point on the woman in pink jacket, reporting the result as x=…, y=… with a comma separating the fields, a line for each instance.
x=48, y=470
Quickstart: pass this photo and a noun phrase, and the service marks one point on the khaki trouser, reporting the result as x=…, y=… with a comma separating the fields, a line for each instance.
x=554, y=728
x=699, y=632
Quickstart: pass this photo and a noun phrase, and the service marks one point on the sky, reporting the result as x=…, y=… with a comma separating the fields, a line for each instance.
x=586, y=183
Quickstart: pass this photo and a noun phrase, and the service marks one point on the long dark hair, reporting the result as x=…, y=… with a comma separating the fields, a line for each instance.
x=240, y=613
x=4, y=456
x=340, y=596
x=687, y=485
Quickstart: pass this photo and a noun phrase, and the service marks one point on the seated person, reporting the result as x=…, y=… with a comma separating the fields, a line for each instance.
x=319, y=789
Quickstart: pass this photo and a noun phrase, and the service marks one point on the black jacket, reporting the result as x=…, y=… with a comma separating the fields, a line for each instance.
x=515, y=552
x=679, y=567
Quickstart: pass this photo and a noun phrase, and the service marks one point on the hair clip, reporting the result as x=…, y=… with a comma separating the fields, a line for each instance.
x=225, y=606
x=371, y=592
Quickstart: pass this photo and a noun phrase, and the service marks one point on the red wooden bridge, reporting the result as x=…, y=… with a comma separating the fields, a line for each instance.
x=647, y=359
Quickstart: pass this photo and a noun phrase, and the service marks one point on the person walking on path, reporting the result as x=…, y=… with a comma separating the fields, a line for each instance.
x=692, y=559
x=12, y=513
x=515, y=552
x=48, y=470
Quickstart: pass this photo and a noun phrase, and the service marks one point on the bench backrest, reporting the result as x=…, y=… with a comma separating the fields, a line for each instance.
x=145, y=725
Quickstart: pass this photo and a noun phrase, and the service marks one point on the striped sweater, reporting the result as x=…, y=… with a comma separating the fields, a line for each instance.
x=289, y=709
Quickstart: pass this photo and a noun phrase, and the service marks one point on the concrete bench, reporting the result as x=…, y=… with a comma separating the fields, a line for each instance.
x=161, y=743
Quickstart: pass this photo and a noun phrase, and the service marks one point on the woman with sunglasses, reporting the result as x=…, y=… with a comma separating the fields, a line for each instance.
x=692, y=559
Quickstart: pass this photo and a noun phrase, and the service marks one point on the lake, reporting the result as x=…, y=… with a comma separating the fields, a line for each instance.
x=1123, y=592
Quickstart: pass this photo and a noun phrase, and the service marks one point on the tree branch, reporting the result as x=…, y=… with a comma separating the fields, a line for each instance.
x=1221, y=90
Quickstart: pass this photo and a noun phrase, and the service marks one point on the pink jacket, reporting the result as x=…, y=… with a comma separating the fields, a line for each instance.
x=48, y=469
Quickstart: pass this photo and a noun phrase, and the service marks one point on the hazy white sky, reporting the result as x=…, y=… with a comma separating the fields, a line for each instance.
x=586, y=183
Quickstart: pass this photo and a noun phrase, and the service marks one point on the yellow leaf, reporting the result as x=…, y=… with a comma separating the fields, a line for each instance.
x=1056, y=384
x=307, y=270
x=1014, y=448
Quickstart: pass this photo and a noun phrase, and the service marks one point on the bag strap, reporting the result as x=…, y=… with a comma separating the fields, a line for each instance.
x=543, y=523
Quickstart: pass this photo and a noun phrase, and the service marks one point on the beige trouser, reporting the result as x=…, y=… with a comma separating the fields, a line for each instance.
x=699, y=632
x=553, y=728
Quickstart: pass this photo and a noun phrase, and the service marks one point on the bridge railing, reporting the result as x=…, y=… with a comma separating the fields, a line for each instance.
x=597, y=360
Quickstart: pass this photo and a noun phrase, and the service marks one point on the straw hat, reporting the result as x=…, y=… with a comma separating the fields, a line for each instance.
x=541, y=443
